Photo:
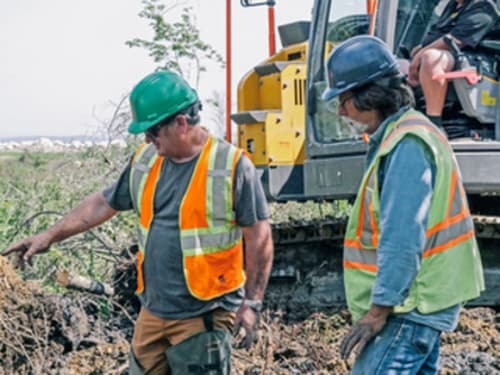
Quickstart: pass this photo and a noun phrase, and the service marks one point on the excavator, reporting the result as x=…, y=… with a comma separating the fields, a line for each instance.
x=305, y=152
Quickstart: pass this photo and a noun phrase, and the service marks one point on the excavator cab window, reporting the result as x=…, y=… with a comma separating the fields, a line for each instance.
x=469, y=109
x=413, y=21
x=346, y=20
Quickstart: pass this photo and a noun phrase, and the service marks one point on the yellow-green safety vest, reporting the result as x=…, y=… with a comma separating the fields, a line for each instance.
x=451, y=270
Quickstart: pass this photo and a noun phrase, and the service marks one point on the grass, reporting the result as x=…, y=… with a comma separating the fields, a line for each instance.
x=37, y=188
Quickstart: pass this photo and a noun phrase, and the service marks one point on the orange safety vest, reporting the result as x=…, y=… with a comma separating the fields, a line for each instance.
x=211, y=242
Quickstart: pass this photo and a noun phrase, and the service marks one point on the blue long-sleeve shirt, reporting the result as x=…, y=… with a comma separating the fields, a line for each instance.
x=406, y=178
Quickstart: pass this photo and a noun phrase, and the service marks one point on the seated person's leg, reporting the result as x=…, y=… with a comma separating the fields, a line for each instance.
x=435, y=61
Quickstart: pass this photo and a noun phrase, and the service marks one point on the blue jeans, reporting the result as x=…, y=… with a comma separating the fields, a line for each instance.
x=402, y=347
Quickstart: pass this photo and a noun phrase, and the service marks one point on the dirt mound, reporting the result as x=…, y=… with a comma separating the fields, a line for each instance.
x=308, y=346
x=311, y=345
x=100, y=359
x=53, y=334
x=42, y=333
x=474, y=347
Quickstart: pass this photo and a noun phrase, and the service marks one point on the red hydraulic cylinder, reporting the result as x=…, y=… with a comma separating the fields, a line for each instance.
x=271, y=23
x=228, y=71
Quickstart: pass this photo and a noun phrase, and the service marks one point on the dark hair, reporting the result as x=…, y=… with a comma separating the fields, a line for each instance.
x=386, y=95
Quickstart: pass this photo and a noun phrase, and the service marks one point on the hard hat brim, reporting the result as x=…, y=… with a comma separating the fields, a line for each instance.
x=329, y=94
x=137, y=127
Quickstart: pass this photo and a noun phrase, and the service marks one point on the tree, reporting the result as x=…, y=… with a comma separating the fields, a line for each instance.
x=218, y=113
x=176, y=45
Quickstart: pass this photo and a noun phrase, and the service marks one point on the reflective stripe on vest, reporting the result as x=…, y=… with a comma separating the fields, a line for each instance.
x=211, y=242
x=450, y=231
x=144, y=175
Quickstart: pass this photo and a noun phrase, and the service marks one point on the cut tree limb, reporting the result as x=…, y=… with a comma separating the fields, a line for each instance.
x=73, y=281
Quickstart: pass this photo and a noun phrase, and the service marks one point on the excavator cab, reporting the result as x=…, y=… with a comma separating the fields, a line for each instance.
x=304, y=151
x=475, y=85
x=470, y=108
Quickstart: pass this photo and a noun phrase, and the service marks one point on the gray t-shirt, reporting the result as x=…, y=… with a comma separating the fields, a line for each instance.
x=165, y=293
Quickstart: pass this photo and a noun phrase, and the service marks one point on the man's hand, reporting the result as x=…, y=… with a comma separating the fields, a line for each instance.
x=245, y=326
x=28, y=247
x=413, y=70
x=364, y=330
x=415, y=50
x=414, y=65
x=258, y=261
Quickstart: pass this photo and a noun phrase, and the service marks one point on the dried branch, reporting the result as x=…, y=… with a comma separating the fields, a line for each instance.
x=74, y=281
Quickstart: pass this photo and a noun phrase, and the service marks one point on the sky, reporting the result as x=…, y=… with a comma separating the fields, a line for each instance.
x=64, y=63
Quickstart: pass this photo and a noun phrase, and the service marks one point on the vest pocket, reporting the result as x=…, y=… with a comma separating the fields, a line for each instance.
x=213, y=274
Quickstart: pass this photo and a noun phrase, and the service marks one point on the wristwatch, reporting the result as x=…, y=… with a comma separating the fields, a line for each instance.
x=254, y=304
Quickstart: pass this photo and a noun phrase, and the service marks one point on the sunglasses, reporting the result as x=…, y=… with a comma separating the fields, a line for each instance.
x=154, y=131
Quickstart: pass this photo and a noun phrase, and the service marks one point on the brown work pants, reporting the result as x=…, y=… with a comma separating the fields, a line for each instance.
x=154, y=335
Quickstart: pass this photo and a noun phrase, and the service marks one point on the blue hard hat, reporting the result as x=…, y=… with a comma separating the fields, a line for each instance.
x=357, y=61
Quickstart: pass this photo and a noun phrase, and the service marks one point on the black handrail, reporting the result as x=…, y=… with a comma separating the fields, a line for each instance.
x=250, y=3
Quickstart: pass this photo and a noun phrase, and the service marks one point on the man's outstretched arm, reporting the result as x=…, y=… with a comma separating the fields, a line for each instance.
x=92, y=211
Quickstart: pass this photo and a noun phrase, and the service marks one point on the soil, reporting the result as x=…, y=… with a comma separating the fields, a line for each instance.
x=77, y=333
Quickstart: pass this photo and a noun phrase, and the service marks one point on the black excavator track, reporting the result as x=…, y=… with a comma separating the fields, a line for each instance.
x=308, y=259
x=307, y=268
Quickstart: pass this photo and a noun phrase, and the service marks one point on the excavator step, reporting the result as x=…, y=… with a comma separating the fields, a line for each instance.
x=274, y=67
x=490, y=44
x=252, y=117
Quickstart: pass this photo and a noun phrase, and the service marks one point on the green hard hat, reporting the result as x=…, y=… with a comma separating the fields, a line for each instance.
x=157, y=96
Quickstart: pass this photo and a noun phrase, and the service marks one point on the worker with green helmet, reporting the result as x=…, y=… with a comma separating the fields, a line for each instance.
x=410, y=253
x=197, y=200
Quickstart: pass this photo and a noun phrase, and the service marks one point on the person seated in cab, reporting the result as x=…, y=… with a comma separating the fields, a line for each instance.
x=464, y=21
